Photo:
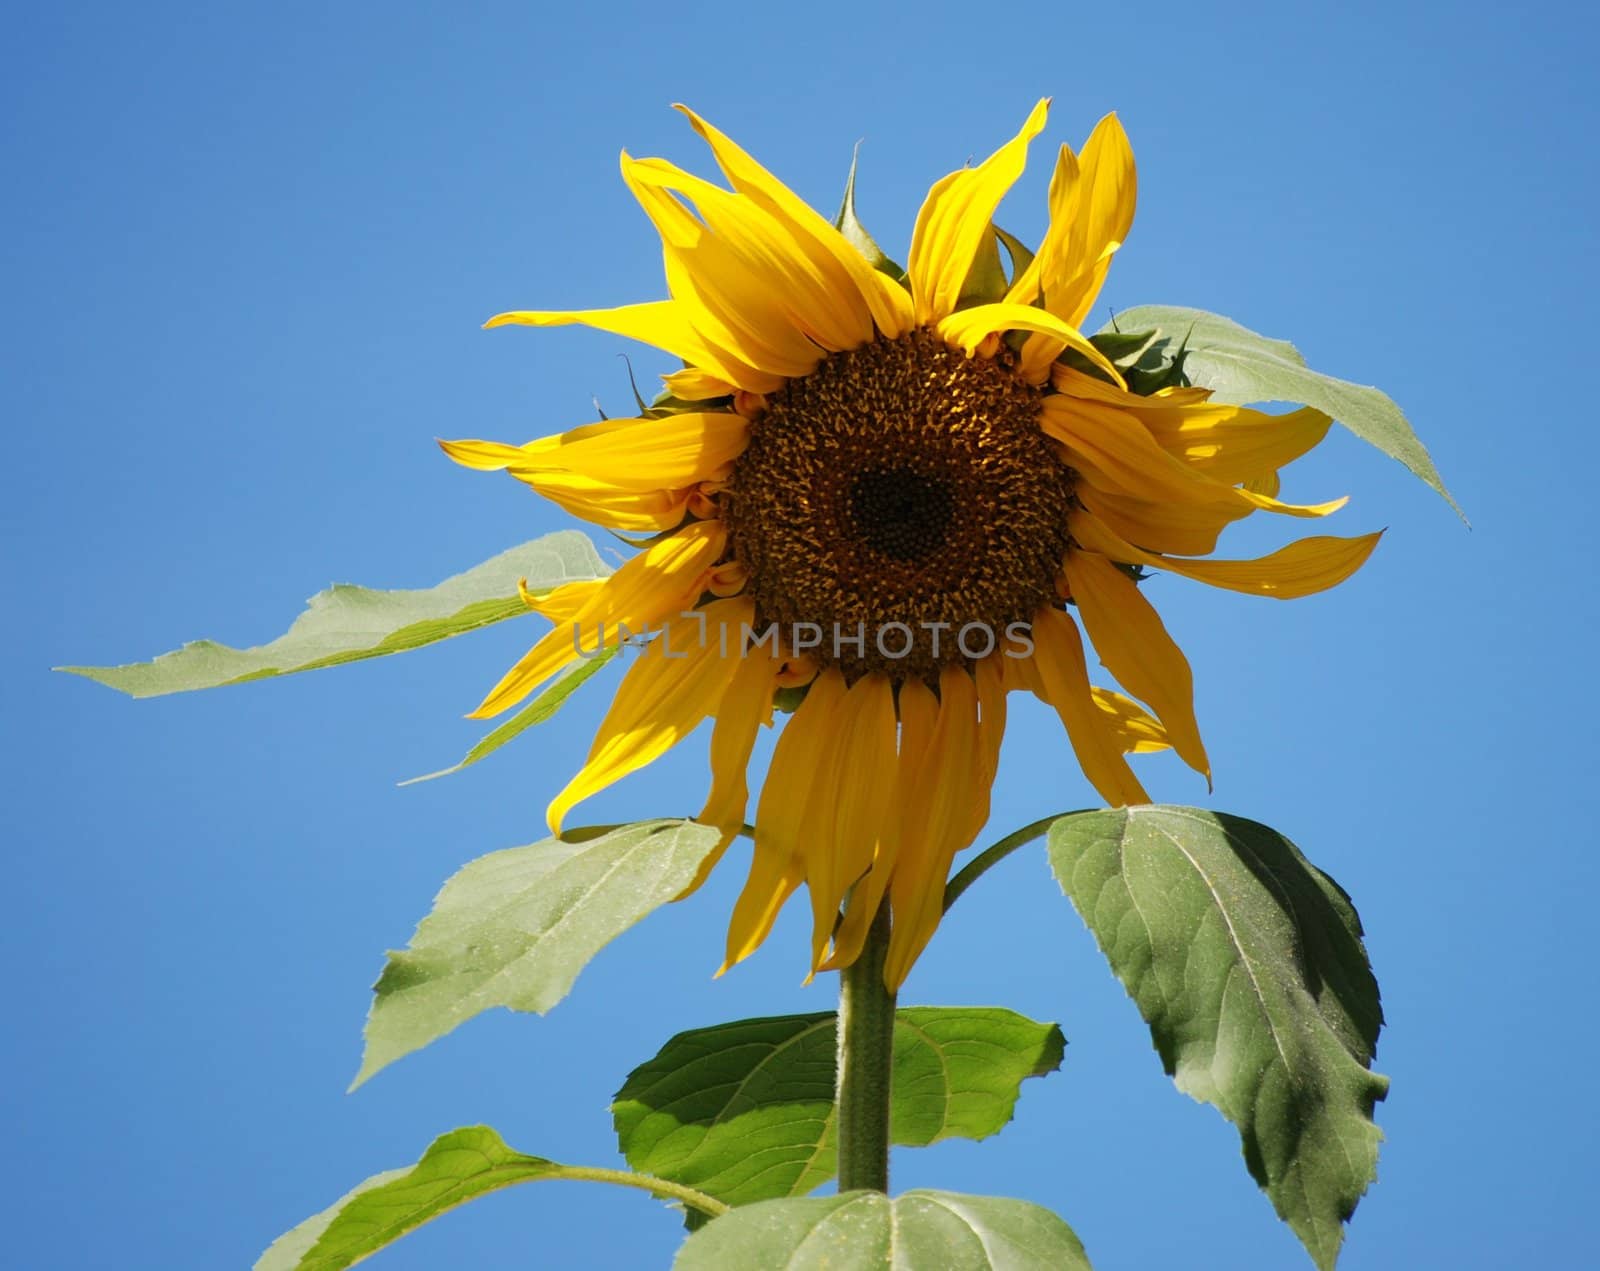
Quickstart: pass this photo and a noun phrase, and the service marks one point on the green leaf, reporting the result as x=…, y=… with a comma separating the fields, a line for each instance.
x=1247, y=963
x=744, y=1111
x=457, y=1167
x=1241, y=366
x=867, y=1231
x=551, y=699
x=515, y=928
x=347, y=623
x=849, y=224
x=289, y=1250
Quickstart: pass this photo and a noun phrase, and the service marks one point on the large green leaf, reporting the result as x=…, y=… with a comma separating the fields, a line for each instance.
x=1240, y=366
x=867, y=1231
x=515, y=928
x=457, y=1167
x=348, y=623
x=745, y=1111
x=1247, y=963
x=549, y=700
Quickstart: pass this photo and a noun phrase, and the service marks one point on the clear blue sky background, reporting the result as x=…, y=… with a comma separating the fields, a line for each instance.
x=246, y=256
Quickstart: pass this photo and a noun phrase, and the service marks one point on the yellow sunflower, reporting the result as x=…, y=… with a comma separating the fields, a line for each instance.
x=890, y=500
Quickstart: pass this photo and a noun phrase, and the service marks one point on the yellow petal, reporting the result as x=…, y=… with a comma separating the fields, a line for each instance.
x=1303, y=568
x=938, y=824
x=789, y=806
x=1266, y=483
x=919, y=713
x=662, y=323
x=668, y=453
x=656, y=584
x=732, y=291
x=813, y=293
x=969, y=327
x=1134, y=646
x=604, y=504
x=862, y=779
x=1099, y=213
x=675, y=683
x=1064, y=677
x=1190, y=529
x=887, y=303
x=745, y=706
x=694, y=385
x=563, y=603
x=1136, y=728
x=483, y=456
x=955, y=217
x=1228, y=443
x=989, y=677
x=1116, y=452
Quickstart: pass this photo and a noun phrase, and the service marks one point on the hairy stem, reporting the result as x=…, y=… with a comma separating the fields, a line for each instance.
x=866, y=1061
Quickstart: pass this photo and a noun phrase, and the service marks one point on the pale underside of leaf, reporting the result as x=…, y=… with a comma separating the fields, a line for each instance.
x=868, y=1231
x=347, y=623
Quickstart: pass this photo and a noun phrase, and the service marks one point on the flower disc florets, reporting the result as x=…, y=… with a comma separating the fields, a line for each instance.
x=901, y=493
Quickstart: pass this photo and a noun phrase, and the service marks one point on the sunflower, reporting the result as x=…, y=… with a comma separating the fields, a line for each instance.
x=892, y=498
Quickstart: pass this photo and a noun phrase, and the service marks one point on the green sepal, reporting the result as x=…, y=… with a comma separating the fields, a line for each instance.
x=849, y=224
x=1021, y=254
x=745, y=1111
x=349, y=624
x=1146, y=360
x=788, y=698
x=867, y=1231
x=986, y=281
x=1247, y=963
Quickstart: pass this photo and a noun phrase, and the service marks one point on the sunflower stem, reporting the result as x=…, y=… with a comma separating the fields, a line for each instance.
x=865, y=1065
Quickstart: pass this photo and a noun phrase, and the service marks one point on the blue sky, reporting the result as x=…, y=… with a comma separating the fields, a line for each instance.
x=247, y=253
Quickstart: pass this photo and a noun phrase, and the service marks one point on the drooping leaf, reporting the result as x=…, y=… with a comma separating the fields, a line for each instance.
x=745, y=1112
x=1247, y=963
x=457, y=1167
x=1240, y=366
x=849, y=224
x=549, y=700
x=867, y=1231
x=348, y=623
x=515, y=928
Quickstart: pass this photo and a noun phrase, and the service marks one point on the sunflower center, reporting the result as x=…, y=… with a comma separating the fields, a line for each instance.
x=898, y=508
x=900, y=512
